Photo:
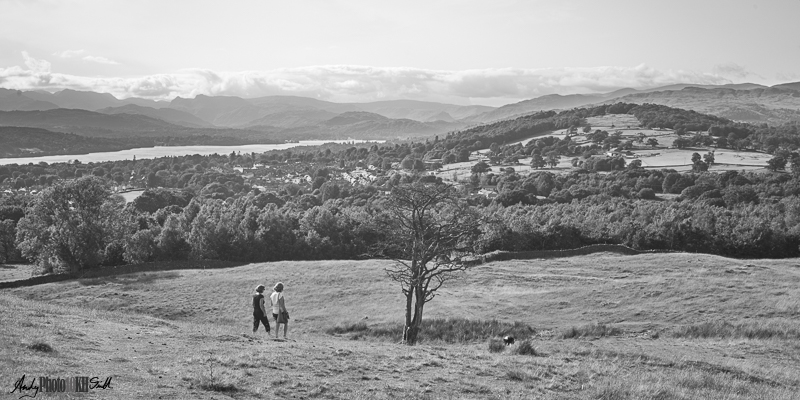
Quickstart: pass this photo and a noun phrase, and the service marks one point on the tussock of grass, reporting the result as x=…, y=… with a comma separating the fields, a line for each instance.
x=526, y=349
x=41, y=346
x=496, y=345
x=740, y=330
x=217, y=386
x=360, y=326
x=591, y=330
x=517, y=375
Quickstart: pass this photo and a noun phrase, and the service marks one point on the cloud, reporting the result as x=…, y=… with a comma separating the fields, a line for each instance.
x=68, y=53
x=787, y=76
x=354, y=83
x=90, y=58
x=732, y=70
x=101, y=60
x=34, y=65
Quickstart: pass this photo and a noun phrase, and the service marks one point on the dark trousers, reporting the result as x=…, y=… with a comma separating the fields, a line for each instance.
x=258, y=317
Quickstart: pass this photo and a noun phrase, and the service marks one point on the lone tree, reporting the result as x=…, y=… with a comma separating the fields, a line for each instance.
x=432, y=230
x=480, y=168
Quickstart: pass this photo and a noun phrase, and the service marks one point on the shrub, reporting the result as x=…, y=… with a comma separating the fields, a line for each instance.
x=496, y=345
x=41, y=346
x=526, y=349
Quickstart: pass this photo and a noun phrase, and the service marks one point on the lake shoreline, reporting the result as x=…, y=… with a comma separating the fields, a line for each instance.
x=140, y=153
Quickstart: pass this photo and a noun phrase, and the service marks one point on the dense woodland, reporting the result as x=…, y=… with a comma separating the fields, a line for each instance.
x=301, y=204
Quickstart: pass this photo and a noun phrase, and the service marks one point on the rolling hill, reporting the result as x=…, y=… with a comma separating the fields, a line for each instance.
x=138, y=129
x=88, y=123
x=170, y=115
x=773, y=105
x=365, y=125
x=32, y=142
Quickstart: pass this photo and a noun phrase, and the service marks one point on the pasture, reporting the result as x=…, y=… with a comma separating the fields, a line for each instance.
x=657, y=326
x=658, y=157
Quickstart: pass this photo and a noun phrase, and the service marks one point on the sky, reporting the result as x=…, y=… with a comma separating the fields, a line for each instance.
x=488, y=52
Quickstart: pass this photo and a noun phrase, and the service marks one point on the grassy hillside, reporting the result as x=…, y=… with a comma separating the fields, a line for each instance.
x=668, y=326
x=771, y=105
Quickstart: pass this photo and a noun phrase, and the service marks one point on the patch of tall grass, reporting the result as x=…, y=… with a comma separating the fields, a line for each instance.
x=496, y=345
x=447, y=330
x=526, y=349
x=740, y=330
x=357, y=327
x=590, y=330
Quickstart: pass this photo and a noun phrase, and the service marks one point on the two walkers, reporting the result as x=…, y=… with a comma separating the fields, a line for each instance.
x=278, y=307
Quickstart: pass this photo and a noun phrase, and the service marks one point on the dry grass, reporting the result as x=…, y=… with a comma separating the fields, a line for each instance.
x=594, y=330
x=15, y=272
x=496, y=345
x=526, y=349
x=720, y=329
x=163, y=335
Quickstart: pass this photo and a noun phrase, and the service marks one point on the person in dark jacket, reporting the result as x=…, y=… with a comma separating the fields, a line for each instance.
x=259, y=311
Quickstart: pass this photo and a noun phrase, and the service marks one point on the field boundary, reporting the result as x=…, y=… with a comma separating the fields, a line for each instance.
x=214, y=264
x=580, y=251
x=119, y=270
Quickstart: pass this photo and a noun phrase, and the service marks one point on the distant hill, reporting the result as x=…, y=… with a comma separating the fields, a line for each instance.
x=543, y=103
x=441, y=116
x=170, y=115
x=32, y=142
x=681, y=86
x=15, y=100
x=290, y=111
x=85, y=100
x=420, y=110
x=292, y=118
x=363, y=125
x=791, y=86
x=89, y=123
x=220, y=110
x=765, y=104
x=293, y=103
x=563, y=102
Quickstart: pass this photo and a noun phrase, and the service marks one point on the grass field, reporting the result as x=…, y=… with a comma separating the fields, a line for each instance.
x=661, y=156
x=663, y=326
x=14, y=272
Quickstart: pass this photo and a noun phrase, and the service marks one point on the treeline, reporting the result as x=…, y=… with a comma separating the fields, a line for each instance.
x=77, y=224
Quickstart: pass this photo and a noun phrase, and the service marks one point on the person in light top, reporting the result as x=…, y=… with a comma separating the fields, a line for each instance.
x=279, y=310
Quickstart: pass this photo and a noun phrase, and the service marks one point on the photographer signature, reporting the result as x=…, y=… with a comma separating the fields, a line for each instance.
x=90, y=384
x=20, y=385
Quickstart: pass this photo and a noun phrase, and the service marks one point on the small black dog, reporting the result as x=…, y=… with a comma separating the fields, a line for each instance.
x=508, y=340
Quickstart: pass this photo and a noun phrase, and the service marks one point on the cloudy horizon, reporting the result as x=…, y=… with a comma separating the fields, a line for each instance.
x=460, y=52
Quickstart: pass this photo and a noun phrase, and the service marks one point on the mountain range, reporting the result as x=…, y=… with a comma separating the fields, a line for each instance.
x=278, y=118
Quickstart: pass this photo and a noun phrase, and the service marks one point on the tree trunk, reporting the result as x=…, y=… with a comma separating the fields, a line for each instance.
x=413, y=329
x=409, y=303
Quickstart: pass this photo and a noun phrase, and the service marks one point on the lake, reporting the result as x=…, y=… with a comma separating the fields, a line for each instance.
x=164, y=151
